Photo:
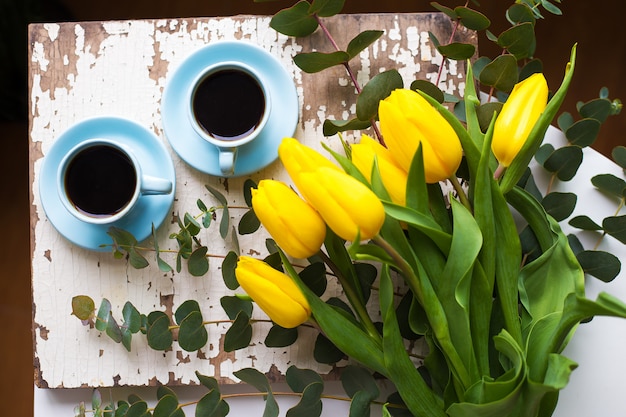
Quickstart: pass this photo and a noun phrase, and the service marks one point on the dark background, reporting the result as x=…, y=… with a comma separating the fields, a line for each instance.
x=596, y=26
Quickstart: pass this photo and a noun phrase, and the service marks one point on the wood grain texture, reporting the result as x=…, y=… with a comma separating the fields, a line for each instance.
x=119, y=68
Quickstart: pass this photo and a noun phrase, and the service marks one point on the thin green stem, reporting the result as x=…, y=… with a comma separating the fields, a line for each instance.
x=461, y=193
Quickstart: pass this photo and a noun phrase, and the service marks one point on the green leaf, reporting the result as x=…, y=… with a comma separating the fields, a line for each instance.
x=519, y=40
x=378, y=88
x=138, y=409
x=191, y=224
x=298, y=379
x=238, y=336
x=565, y=120
x=280, y=337
x=248, y=186
x=619, y=156
x=610, y=184
x=83, y=307
x=501, y=73
x=314, y=276
x=295, y=21
x=324, y=351
x=312, y=62
x=446, y=10
x=551, y=7
x=122, y=237
x=520, y=13
x=210, y=404
x=185, y=309
x=232, y=305
x=598, y=109
x=168, y=407
x=310, y=404
x=259, y=381
x=249, y=223
x=228, y=271
x=132, y=323
x=225, y=220
x=584, y=223
x=356, y=379
x=104, y=313
x=198, y=262
x=208, y=381
x=616, y=227
x=583, y=132
x=472, y=19
x=603, y=265
x=332, y=127
x=326, y=8
x=159, y=335
x=192, y=335
x=136, y=259
x=457, y=51
x=531, y=67
x=428, y=88
x=559, y=205
x=564, y=162
x=485, y=113
x=362, y=41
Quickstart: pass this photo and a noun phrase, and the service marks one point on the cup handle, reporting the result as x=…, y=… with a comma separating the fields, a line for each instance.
x=153, y=185
x=227, y=160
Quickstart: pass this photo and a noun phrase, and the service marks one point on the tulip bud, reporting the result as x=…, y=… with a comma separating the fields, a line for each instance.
x=406, y=120
x=347, y=205
x=295, y=226
x=518, y=116
x=298, y=158
x=273, y=291
x=393, y=176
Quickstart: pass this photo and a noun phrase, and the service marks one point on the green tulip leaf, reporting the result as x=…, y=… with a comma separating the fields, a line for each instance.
x=519, y=40
x=232, y=305
x=584, y=223
x=428, y=88
x=619, y=156
x=185, y=309
x=520, y=13
x=583, y=132
x=609, y=184
x=298, y=379
x=564, y=162
x=324, y=351
x=378, y=88
x=559, y=205
x=362, y=41
x=249, y=223
x=198, y=262
x=191, y=225
x=565, y=120
x=310, y=404
x=192, y=335
x=457, y=51
x=159, y=335
x=326, y=8
x=472, y=19
x=599, y=109
x=224, y=222
x=312, y=62
x=280, y=337
x=228, y=271
x=83, y=307
x=501, y=73
x=446, y=10
x=295, y=21
x=239, y=334
x=616, y=227
x=332, y=127
x=314, y=276
x=168, y=407
x=259, y=381
x=356, y=379
x=603, y=265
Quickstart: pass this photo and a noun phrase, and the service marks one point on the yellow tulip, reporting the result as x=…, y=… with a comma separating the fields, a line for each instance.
x=406, y=120
x=347, y=205
x=295, y=226
x=518, y=117
x=393, y=176
x=273, y=291
x=298, y=158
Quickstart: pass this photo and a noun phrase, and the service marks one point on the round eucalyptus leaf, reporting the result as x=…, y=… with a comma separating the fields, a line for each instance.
x=325, y=351
x=168, y=407
x=163, y=390
x=298, y=379
x=485, y=113
x=280, y=337
x=366, y=273
x=314, y=276
x=501, y=73
x=356, y=379
x=228, y=271
x=208, y=381
x=610, y=184
x=565, y=120
x=209, y=404
x=583, y=132
x=362, y=41
x=312, y=62
x=478, y=66
x=191, y=224
x=310, y=404
x=360, y=404
x=446, y=10
x=138, y=409
x=533, y=66
x=519, y=40
x=378, y=88
x=619, y=156
x=132, y=318
x=248, y=185
x=159, y=335
x=104, y=312
x=198, y=263
x=332, y=127
x=249, y=223
x=457, y=51
x=616, y=227
x=83, y=307
x=559, y=205
x=326, y=8
x=584, y=223
x=544, y=152
x=575, y=244
x=564, y=162
x=239, y=334
x=192, y=335
x=552, y=8
x=472, y=19
x=233, y=305
x=428, y=88
x=136, y=259
x=185, y=309
x=295, y=21
x=599, y=109
x=603, y=265
x=520, y=13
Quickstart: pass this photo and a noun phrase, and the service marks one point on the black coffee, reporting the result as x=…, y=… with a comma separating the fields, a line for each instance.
x=229, y=104
x=100, y=180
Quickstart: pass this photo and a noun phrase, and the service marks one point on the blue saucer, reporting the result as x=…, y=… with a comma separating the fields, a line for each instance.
x=253, y=156
x=150, y=209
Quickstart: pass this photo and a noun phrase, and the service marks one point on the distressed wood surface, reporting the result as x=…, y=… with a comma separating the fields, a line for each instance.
x=119, y=68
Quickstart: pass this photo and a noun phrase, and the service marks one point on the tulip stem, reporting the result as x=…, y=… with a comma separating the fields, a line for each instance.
x=461, y=193
x=354, y=299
